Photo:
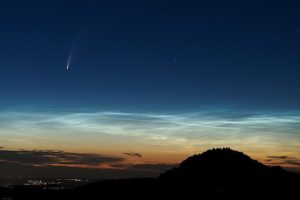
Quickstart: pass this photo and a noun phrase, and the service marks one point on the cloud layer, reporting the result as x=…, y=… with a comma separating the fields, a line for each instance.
x=50, y=157
x=179, y=129
x=286, y=160
x=49, y=163
x=155, y=133
x=133, y=154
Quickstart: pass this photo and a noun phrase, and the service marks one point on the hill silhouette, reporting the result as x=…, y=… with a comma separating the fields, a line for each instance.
x=217, y=173
x=214, y=174
x=227, y=173
x=221, y=164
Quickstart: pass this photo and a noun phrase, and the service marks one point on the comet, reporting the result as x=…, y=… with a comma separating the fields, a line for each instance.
x=70, y=58
x=69, y=62
x=71, y=54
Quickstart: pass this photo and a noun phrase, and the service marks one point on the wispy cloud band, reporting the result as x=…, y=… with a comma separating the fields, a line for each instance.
x=184, y=130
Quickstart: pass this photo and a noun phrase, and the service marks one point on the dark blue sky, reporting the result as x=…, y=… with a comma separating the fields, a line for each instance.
x=150, y=55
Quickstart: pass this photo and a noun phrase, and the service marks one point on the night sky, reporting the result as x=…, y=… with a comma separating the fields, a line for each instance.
x=144, y=84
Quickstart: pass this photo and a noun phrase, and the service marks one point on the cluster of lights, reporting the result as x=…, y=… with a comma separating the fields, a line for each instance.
x=36, y=183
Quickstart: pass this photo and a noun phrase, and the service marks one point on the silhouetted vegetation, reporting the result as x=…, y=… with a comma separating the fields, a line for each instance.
x=214, y=174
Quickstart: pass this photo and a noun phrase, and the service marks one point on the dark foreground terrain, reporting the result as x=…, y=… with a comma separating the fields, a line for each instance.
x=214, y=174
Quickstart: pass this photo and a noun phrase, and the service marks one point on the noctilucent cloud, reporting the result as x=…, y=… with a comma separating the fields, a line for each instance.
x=161, y=80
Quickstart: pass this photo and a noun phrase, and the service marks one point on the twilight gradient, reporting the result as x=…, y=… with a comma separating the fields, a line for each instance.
x=149, y=83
